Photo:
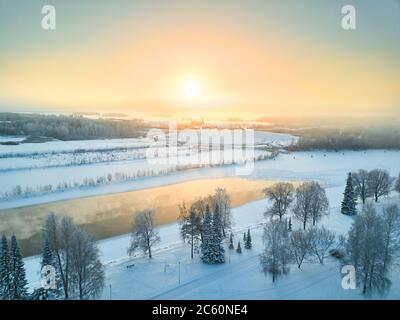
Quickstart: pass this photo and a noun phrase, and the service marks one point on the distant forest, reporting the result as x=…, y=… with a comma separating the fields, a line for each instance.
x=68, y=127
x=348, y=139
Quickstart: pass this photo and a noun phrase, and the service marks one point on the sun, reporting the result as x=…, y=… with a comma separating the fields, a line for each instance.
x=191, y=88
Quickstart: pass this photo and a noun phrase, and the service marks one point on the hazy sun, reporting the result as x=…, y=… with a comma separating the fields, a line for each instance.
x=191, y=88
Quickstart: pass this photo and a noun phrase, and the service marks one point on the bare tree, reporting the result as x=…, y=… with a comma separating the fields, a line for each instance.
x=221, y=199
x=365, y=249
x=397, y=185
x=200, y=206
x=78, y=267
x=321, y=241
x=143, y=234
x=300, y=241
x=379, y=183
x=281, y=195
x=391, y=230
x=277, y=252
x=60, y=236
x=311, y=203
x=319, y=202
x=190, y=222
x=361, y=183
x=86, y=268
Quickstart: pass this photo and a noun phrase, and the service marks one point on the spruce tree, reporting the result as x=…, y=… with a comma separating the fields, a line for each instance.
x=206, y=245
x=231, y=246
x=290, y=225
x=248, y=243
x=5, y=271
x=18, y=276
x=238, y=249
x=244, y=237
x=349, y=202
x=217, y=237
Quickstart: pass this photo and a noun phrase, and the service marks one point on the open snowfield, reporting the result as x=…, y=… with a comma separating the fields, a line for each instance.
x=59, y=166
x=241, y=278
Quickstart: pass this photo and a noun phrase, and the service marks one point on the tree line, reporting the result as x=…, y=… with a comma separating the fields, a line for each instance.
x=68, y=127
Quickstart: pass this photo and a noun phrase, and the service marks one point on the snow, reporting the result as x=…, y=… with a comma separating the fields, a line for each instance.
x=57, y=162
x=241, y=276
x=329, y=168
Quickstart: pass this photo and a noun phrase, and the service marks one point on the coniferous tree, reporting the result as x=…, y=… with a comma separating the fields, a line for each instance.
x=5, y=270
x=349, y=202
x=217, y=237
x=290, y=225
x=231, y=246
x=239, y=249
x=206, y=245
x=248, y=243
x=244, y=237
x=18, y=275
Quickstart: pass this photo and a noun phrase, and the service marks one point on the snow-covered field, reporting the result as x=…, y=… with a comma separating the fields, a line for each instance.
x=58, y=166
x=172, y=275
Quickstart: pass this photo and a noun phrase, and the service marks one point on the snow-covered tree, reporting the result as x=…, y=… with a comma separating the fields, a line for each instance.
x=190, y=222
x=290, y=225
x=244, y=237
x=143, y=235
x=248, y=243
x=18, y=275
x=397, y=185
x=281, y=195
x=277, y=253
x=207, y=244
x=300, y=241
x=221, y=199
x=79, y=272
x=322, y=241
x=391, y=231
x=47, y=259
x=366, y=251
x=212, y=247
x=5, y=271
x=231, y=246
x=217, y=237
x=87, y=270
x=349, y=203
x=239, y=248
x=319, y=203
x=59, y=235
x=379, y=183
x=360, y=181
x=311, y=203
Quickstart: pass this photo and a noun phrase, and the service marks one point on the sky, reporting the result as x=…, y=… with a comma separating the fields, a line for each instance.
x=246, y=59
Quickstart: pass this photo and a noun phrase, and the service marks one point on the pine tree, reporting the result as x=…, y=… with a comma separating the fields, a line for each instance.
x=248, y=243
x=206, y=245
x=5, y=271
x=244, y=237
x=231, y=246
x=290, y=225
x=18, y=276
x=217, y=237
x=239, y=249
x=349, y=202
